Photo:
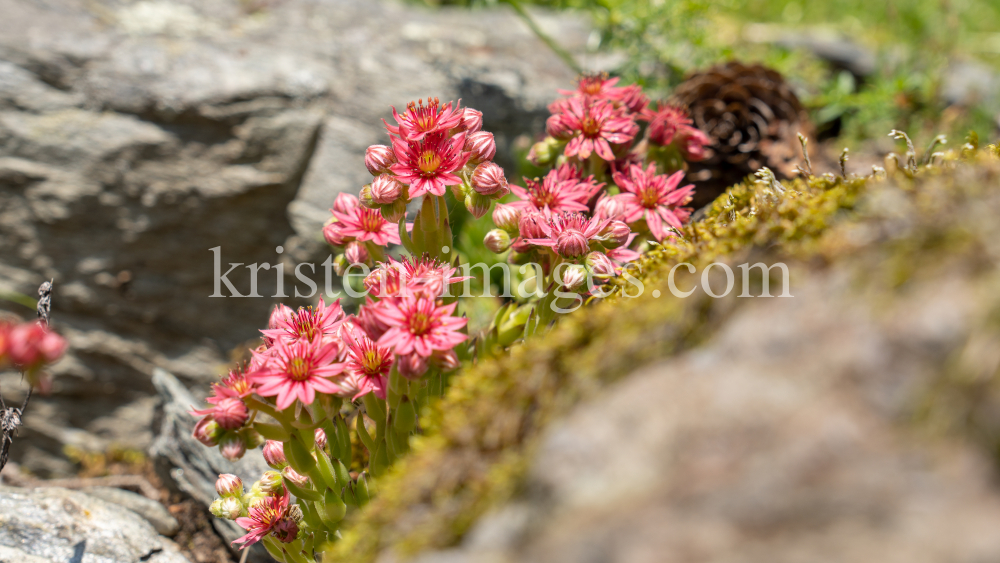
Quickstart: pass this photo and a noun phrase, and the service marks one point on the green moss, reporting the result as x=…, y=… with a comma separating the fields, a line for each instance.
x=480, y=435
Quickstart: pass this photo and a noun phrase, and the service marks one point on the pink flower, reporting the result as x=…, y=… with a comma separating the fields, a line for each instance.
x=29, y=345
x=623, y=254
x=655, y=198
x=598, y=125
x=632, y=98
x=297, y=370
x=229, y=412
x=428, y=165
x=369, y=363
x=306, y=324
x=361, y=224
x=692, y=144
x=264, y=517
x=418, y=324
x=668, y=122
x=570, y=234
x=423, y=276
x=559, y=191
x=596, y=85
x=419, y=120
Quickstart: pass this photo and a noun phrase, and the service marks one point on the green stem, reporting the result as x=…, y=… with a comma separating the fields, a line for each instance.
x=556, y=48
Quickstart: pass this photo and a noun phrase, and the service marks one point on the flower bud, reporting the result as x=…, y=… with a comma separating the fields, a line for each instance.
x=274, y=454
x=270, y=483
x=208, y=431
x=232, y=446
x=378, y=159
x=574, y=276
x=600, y=265
x=472, y=120
x=345, y=203
x=386, y=189
x=615, y=234
x=558, y=126
x=251, y=438
x=446, y=360
x=544, y=152
x=488, y=179
x=412, y=366
x=572, y=244
x=692, y=144
x=340, y=264
x=320, y=437
x=610, y=207
x=497, y=241
x=333, y=233
x=478, y=204
x=286, y=530
x=530, y=225
x=228, y=508
x=482, y=146
x=506, y=217
x=295, y=477
x=356, y=253
x=229, y=485
x=230, y=413
x=365, y=197
x=394, y=211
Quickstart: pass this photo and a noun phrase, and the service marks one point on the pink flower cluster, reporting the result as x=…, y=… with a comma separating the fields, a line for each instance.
x=320, y=350
x=604, y=188
x=432, y=147
x=29, y=346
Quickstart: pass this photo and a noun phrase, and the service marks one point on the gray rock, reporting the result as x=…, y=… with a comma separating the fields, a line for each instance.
x=783, y=438
x=192, y=468
x=135, y=136
x=58, y=525
x=154, y=513
x=969, y=83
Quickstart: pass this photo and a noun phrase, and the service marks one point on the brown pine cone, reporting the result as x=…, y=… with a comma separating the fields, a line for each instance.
x=753, y=119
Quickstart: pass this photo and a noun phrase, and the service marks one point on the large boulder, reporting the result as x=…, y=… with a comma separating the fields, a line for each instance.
x=51, y=525
x=137, y=136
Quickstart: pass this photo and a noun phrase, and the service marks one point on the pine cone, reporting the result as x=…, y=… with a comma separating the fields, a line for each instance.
x=752, y=117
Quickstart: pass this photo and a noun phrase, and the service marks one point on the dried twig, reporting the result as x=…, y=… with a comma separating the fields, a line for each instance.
x=805, y=154
x=10, y=418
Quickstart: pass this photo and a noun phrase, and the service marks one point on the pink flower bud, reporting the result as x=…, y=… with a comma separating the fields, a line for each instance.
x=30, y=344
x=208, y=431
x=472, y=120
x=378, y=159
x=345, y=203
x=229, y=485
x=615, y=234
x=633, y=99
x=294, y=477
x=270, y=483
x=412, y=366
x=286, y=530
x=574, y=276
x=488, y=179
x=232, y=446
x=320, y=437
x=478, y=204
x=497, y=241
x=333, y=234
x=356, y=253
x=279, y=313
x=693, y=143
x=386, y=189
x=610, y=207
x=571, y=244
x=446, y=360
x=274, y=454
x=600, y=265
x=530, y=224
x=559, y=126
x=52, y=346
x=230, y=413
x=482, y=146
x=506, y=217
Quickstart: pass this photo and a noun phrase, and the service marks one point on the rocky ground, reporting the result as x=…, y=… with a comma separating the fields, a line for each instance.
x=135, y=136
